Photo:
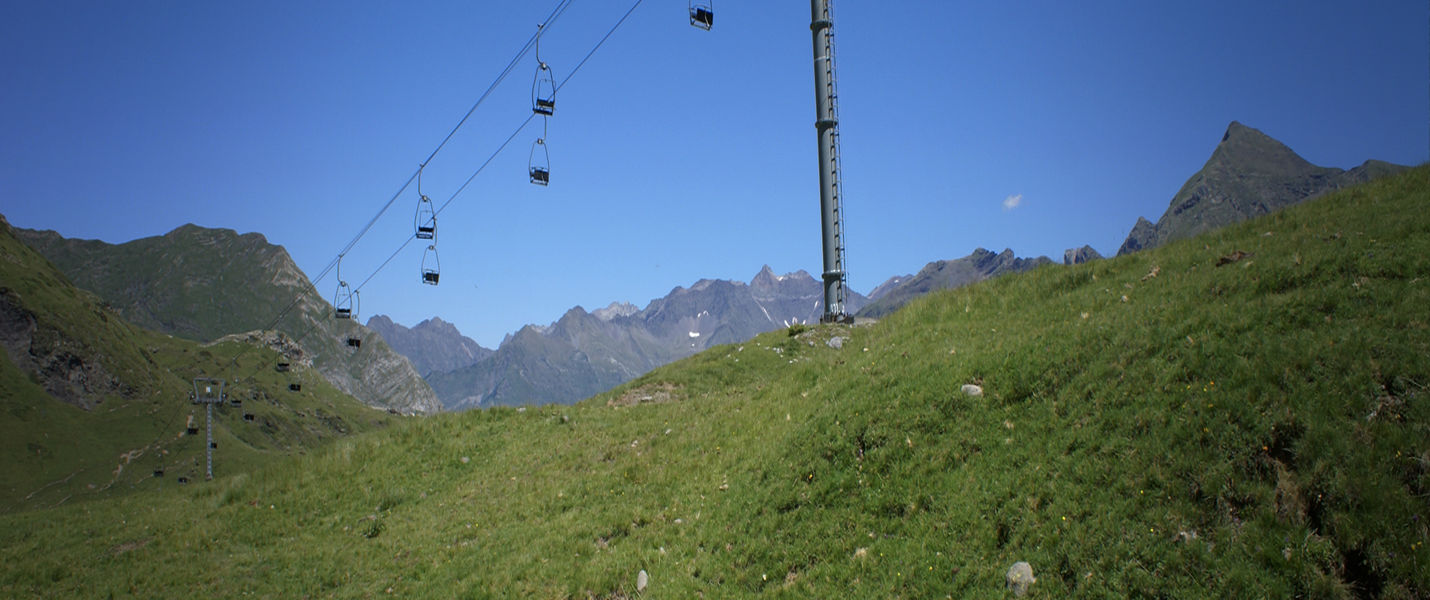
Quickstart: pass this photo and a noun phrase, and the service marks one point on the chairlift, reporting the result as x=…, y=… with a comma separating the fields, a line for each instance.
x=343, y=301
x=183, y=480
x=345, y=297
x=159, y=472
x=540, y=163
x=702, y=14
x=426, y=219
x=282, y=367
x=192, y=431
x=431, y=266
x=355, y=342
x=248, y=416
x=295, y=387
x=543, y=86
x=235, y=402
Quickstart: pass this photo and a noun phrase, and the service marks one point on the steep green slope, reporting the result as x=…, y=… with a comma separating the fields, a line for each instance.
x=91, y=406
x=1238, y=415
x=201, y=284
x=192, y=282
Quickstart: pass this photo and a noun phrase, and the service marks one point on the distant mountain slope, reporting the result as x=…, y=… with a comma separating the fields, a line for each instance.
x=91, y=405
x=584, y=353
x=433, y=345
x=1249, y=174
x=947, y=274
x=202, y=284
x=889, y=284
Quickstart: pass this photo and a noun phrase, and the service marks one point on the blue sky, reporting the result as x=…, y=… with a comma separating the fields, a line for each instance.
x=677, y=154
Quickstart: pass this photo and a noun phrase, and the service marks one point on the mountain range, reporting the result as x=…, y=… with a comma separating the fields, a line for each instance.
x=201, y=284
x=584, y=353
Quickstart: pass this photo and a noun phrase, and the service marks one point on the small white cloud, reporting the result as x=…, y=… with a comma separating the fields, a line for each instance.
x=1012, y=202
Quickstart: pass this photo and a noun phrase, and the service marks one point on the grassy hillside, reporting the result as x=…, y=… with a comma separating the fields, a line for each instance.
x=125, y=407
x=1154, y=425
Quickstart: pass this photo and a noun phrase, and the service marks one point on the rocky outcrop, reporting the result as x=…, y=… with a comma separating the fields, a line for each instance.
x=67, y=370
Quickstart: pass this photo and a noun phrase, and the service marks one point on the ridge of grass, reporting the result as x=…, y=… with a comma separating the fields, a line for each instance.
x=1157, y=424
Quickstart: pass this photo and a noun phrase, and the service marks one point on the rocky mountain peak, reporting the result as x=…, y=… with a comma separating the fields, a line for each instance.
x=766, y=279
x=433, y=345
x=436, y=325
x=615, y=310
x=1249, y=174
x=1077, y=256
x=1248, y=150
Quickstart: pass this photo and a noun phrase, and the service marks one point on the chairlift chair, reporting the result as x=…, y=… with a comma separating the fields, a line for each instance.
x=248, y=416
x=295, y=387
x=426, y=218
x=543, y=92
x=543, y=86
x=702, y=14
x=540, y=163
x=159, y=472
x=355, y=342
x=192, y=431
x=183, y=480
x=345, y=299
x=431, y=266
x=282, y=367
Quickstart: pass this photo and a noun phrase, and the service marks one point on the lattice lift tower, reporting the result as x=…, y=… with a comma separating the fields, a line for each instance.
x=831, y=196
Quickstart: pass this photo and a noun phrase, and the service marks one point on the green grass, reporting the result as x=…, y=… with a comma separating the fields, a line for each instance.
x=1257, y=429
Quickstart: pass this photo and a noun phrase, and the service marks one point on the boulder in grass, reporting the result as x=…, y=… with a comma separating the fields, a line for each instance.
x=1020, y=578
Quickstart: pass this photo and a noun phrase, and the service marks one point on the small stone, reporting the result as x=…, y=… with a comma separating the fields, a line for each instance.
x=724, y=486
x=642, y=580
x=466, y=460
x=1020, y=578
x=972, y=390
x=861, y=552
x=835, y=342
